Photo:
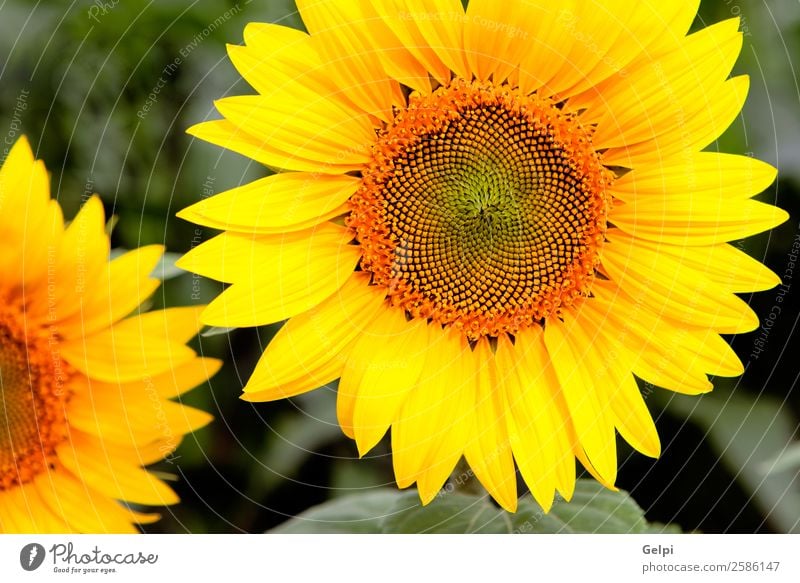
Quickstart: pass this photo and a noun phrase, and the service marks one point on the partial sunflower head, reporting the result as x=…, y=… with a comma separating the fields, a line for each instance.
x=86, y=389
x=487, y=223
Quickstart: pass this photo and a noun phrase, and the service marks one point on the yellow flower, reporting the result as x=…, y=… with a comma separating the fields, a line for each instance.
x=86, y=392
x=491, y=220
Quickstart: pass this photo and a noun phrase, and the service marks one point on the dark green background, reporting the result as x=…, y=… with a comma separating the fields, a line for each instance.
x=76, y=79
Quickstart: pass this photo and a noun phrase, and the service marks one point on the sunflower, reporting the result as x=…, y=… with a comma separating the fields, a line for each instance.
x=85, y=390
x=488, y=222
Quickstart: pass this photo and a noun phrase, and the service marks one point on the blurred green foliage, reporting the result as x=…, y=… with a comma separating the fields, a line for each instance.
x=105, y=92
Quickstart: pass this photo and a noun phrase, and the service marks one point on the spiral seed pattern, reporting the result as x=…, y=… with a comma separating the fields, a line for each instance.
x=483, y=208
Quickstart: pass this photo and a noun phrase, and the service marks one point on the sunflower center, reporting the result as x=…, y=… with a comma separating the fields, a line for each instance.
x=32, y=401
x=482, y=208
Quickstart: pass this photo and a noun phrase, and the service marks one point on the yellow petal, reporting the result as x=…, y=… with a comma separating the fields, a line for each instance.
x=297, y=358
x=183, y=377
x=98, y=463
x=354, y=62
x=178, y=324
x=22, y=511
x=589, y=32
x=690, y=221
x=79, y=263
x=432, y=31
x=83, y=507
x=692, y=131
x=632, y=419
x=540, y=402
x=380, y=370
x=425, y=416
x=655, y=349
x=28, y=262
x=278, y=57
x=698, y=350
x=672, y=289
x=123, y=286
x=489, y=450
x=705, y=176
x=24, y=191
x=551, y=39
x=617, y=386
x=575, y=360
x=122, y=353
x=275, y=277
x=581, y=454
x=637, y=32
x=657, y=96
x=302, y=124
x=574, y=45
x=22, y=184
x=245, y=257
x=536, y=421
x=286, y=202
x=156, y=451
x=30, y=225
x=497, y=36
x=131, y=413
x=734, y=270
x=227, y=135
x=716, y=355
x=278, y=42
x=455, y=427
x=395, y=57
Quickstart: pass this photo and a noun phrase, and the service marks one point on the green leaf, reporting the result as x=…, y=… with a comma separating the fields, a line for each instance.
x=215, y=331
x=786, y=461
x=449, y=514
x=300, y=434
x=166, y=269
x=593, y=509
x=753, y=436
x=362, y=513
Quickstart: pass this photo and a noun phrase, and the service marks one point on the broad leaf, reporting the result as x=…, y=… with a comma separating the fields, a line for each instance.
x=593, y=509
x=166, y=269
x=753, y=437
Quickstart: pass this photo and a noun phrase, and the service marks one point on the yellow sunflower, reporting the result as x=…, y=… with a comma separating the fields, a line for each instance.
x=85, y=392
x=488, y=222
